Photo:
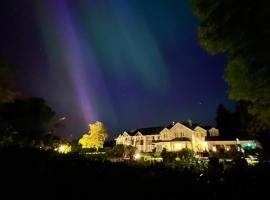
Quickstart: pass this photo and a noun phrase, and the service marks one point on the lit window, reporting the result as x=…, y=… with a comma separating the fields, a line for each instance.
x=214, y=148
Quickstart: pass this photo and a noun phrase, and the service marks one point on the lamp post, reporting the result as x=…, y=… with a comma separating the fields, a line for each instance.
x=237, y=144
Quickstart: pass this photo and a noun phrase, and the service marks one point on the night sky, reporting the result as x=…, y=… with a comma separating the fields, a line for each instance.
x=127, y=63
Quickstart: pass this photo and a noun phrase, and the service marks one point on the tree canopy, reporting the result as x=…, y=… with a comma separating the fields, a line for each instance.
x=24, y=120
x=234, y=124
x=95, y=137
x=241, y=30
x=7, y=76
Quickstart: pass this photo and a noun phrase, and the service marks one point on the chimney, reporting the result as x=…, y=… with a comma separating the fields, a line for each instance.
x=190, y=123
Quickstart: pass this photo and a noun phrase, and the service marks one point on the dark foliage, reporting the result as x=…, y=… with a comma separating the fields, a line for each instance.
x=7, y=82
x=236, y=124
x=240, y=29
x=24, y=121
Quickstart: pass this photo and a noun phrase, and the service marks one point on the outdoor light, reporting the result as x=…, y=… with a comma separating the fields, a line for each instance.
x=205, y=145
x=63, y=148
x=137, y=156
x=178, y=146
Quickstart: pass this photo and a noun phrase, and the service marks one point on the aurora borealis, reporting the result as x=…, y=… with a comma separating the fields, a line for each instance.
x=127, y=63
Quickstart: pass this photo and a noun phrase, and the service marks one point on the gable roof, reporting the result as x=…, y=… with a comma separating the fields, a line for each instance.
x=146, y=131
x=156, y=130
x=199, y=128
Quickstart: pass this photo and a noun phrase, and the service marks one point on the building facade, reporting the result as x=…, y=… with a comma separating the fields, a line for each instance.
x=176, y=137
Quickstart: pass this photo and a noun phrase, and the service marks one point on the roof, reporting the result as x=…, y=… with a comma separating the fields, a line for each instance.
x=193, y=126
x=146, y=131
x=156, y=130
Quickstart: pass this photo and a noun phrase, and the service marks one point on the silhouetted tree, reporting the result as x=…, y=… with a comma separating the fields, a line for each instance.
x=51, y=141
x=25, y=120
x=224, y=121
x=234, y=124
x=242, y=120
x=118, y=151
x=240, y=29
x=7, y=82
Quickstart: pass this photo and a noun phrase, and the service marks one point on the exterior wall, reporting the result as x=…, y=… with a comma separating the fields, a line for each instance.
x=198, y=140
x=173, y=146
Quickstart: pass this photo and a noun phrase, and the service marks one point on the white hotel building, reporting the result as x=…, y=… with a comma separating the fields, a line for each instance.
x=176, y=137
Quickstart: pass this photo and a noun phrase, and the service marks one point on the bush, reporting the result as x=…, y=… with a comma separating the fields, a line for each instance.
x=186, y=153
x=117, y=151
x=168, y=156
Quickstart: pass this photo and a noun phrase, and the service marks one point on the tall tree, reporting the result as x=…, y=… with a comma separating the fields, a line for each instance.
x=7, y=83
x=96, y=136
x=224, y=121
x=241, y=30
x=25, y=120
x=234, y=124
x=242, y=119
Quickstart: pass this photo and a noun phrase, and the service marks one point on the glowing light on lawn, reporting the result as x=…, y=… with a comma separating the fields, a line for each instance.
x=63, y=148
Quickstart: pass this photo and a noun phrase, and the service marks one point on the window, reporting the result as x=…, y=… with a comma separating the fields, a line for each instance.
x=141, y=142
x=153, y=137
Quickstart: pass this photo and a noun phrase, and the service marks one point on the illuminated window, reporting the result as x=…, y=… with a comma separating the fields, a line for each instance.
x=214, y=148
